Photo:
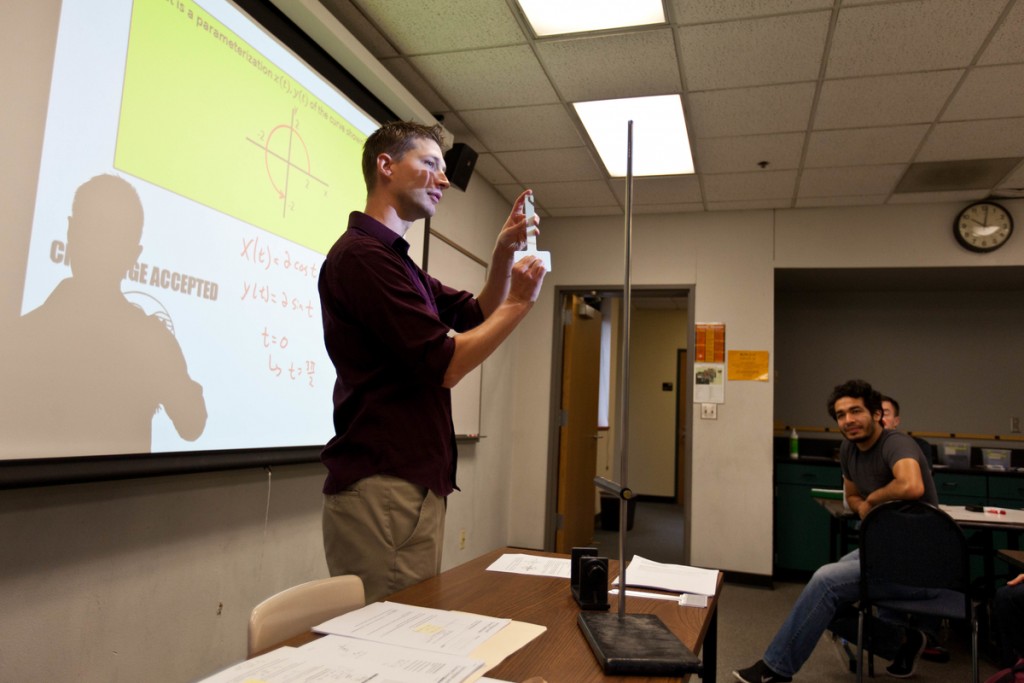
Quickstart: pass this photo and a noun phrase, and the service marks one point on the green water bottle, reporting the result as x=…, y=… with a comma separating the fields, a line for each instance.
x=794, y=445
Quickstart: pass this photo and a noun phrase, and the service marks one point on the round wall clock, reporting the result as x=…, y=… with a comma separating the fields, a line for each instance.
x=983, y=226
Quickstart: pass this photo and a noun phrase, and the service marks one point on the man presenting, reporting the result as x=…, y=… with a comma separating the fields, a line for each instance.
x=878, y=465
x=391, y=462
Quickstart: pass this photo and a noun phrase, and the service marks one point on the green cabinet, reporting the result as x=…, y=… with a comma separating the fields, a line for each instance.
x=801, y=526
x=961, y=489
x=1006, y=490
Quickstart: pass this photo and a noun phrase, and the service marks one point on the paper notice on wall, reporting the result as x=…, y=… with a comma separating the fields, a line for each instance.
x=709, y=382
x=750, y=366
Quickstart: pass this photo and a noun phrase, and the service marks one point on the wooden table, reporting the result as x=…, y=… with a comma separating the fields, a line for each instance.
x=561, y=654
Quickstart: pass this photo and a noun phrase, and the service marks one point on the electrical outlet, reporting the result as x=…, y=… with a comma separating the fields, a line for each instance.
x=709, y=411
x=462, y=539
x=1015, y=425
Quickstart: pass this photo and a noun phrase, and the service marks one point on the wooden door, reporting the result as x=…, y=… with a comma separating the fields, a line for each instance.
x=577, y=437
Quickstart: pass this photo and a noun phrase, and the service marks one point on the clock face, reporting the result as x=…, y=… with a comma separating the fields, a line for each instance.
x=984, y=226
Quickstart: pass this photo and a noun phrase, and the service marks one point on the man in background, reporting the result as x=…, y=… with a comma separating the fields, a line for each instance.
x=891, y=420
x=391, y=463
x=878, y=466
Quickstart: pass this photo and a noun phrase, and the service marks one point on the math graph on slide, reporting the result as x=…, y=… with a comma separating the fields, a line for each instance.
x=207, y=117
x=289, y=169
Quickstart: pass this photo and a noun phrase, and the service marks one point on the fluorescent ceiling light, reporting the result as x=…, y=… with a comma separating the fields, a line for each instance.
x=660, y=143
x=552, y=17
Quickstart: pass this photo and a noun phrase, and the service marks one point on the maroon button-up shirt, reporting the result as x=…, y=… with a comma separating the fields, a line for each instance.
x=386, y=326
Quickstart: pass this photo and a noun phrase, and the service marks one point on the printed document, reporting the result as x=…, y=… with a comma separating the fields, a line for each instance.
x=677, y=578
x=291, y=665
x=422, y=628
x=516, y=563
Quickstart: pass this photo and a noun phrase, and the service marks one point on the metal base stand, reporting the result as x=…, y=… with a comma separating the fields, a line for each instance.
x=637, y=645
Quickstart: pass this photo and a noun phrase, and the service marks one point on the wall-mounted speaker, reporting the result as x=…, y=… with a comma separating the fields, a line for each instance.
x=460, y=160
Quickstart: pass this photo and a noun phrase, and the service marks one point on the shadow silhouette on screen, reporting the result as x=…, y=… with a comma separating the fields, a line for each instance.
x=92, y=368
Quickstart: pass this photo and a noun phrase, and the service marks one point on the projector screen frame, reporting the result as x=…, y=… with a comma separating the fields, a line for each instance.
x=35, y=472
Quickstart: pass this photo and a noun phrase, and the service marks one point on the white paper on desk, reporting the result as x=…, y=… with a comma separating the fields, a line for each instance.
x=517, y=563
x=423, y=628
x=289, y=665
x=678, y=578
x=401, y=663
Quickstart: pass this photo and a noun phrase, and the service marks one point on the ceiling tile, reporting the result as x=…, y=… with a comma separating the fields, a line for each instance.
x=660, y=190
x=364, y=31
x=495, y=77
x=753, y=75
x=415, y=84
x=864, y=146
x=612, y=66
x=745, y=186
x=854, y=180
x=853, y=200
x=989, y=92
x=1014, y=180
x=749, y=111
x=992, y=139
x=575, y=194
x=749, y=205
x=704, y=11
x=493, y=172
x=501, y=130
x=686, y=207
x=547, y=165
x=937, y=197
x=574, y=212
x=455, y=125
x=1006, y=45
x=761, y=51
x=897, y=37
x=884, y=100
x=418, y=27
x=739, y=154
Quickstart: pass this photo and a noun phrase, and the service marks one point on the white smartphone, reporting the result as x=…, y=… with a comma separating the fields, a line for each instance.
x=528, y=207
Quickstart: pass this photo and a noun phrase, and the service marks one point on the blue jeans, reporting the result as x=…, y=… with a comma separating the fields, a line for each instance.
x=831, y=587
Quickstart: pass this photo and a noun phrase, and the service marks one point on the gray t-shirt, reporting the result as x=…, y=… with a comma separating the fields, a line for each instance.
x=872, y=469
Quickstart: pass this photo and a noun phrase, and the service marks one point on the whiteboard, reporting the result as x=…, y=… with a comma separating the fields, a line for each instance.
x=457, y=269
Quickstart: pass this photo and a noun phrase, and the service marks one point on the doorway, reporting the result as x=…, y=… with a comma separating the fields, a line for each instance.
x=582, y=445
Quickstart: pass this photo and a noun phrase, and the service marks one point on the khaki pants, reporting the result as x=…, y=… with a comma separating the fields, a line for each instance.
x=385, y=530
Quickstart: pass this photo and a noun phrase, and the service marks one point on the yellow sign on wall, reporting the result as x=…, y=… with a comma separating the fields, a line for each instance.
x=751, y=366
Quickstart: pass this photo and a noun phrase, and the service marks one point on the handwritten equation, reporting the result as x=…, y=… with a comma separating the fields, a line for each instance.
x=290, y=369
x=267, y=294
x=260, y=253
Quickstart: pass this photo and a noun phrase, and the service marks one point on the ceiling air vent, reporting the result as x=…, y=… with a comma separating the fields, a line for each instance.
x=944, y=176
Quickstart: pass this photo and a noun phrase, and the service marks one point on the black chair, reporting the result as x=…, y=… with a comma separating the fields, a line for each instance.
x=917, y=545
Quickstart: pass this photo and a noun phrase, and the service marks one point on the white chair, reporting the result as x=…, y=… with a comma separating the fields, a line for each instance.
x=298, y=609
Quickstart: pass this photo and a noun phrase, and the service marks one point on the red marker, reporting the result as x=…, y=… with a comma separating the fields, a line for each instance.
x=995, y=511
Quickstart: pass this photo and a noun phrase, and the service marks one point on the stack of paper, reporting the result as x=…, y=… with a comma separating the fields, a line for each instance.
x=677, y=578
x=391, y=643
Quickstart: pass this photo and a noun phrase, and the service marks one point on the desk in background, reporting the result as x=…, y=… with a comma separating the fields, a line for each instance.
x=561, y=653
x=1011, y=524
x=1014, y=558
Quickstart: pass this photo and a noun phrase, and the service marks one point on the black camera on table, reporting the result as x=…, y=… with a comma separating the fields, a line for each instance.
x=589, y=579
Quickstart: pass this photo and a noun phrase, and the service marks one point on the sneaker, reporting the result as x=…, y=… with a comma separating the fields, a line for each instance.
x=933, y=652
x=760, y=673
x=906, y=657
